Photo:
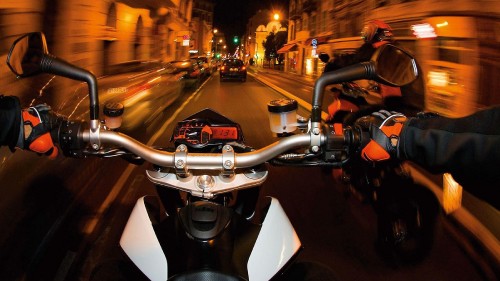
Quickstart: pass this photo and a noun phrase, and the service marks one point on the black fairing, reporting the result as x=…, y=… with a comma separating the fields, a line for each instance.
x=204, y=240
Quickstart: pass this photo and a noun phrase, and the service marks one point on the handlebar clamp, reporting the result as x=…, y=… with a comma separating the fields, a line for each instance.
x=180, y=161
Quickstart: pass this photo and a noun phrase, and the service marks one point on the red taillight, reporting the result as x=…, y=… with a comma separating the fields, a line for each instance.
x=223, y=68
x=243, y=67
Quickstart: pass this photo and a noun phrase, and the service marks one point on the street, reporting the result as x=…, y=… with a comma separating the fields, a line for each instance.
x=85, y=205
x=335, y=230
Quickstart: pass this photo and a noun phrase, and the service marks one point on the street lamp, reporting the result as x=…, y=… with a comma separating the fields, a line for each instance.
x=214, y=31
x=216, y=44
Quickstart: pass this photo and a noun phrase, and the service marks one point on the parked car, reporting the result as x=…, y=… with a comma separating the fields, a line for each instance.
x=233, y=69
x=214, y=64
x=206, y=65
x=193, y=74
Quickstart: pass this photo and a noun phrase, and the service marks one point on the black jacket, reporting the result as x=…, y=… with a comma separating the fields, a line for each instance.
x=10, y=120
x=468, y=148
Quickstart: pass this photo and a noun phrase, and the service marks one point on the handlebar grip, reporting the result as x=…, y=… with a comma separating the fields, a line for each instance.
x=70, y=138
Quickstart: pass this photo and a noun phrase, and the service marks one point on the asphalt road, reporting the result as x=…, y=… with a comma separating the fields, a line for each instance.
x=335, y=229
x=65, y=223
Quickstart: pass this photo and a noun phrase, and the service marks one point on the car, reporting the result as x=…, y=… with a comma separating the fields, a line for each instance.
x=145, y=88
x=133, y=66
x=206, y=65
x=214, y=64
x=193, y=75
x=233, y=69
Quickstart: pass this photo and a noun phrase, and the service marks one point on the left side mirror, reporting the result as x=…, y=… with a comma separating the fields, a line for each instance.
x=26, y=53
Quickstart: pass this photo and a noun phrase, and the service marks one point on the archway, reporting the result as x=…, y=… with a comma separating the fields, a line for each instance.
x=110, y=38
x=139, y=39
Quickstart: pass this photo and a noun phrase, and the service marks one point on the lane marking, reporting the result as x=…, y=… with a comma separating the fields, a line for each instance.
x=176, y=113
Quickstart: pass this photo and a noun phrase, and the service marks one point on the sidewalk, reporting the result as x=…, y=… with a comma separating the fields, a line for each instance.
x=303, y=79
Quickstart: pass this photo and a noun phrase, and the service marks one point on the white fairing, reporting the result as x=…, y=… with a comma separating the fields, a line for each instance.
x=276, y=244
x=141, y=245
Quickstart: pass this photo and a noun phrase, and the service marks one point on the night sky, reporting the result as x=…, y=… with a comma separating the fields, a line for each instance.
x=231, y=16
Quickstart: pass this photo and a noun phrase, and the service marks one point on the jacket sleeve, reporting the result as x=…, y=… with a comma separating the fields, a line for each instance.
x=10, y=121
x=468, y=147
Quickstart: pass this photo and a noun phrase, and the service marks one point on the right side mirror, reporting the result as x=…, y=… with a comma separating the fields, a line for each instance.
x=26, y=54
x=394, y=65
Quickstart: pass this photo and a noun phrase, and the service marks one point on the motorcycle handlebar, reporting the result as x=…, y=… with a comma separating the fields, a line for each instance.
x=74, y=138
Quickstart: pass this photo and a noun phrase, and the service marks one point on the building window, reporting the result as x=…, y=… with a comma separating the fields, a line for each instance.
x=451, y=50
x=312, y=25
x=324, y=21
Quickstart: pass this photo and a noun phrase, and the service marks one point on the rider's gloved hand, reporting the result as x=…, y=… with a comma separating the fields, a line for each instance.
x=38, y=123
x=383, y=128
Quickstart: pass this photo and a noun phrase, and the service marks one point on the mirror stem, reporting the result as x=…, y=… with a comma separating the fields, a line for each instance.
x=365, y=70
x=52, y=64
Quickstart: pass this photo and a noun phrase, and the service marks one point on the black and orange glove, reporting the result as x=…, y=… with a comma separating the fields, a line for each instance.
x=384, y=129
x=38, y=123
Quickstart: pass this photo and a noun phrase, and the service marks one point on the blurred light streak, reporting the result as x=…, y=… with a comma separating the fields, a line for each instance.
x=423, y=30
x=438, y=78
x=439, y=25
x=452, y=194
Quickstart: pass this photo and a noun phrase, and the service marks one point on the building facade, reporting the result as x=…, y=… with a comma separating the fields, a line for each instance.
x=94, y=34
x=253, y=45
x=202, y=26
x=97, y=34
x=258, y=29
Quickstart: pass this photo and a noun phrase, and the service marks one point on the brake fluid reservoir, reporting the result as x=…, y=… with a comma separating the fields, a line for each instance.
x=113, y=115
x=282, y=115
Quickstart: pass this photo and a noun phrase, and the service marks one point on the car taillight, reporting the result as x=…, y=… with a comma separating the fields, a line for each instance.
x=243, y=67
x=223, y=68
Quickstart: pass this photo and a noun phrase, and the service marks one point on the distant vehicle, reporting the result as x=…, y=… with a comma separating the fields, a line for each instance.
x=206, y=65
x=214, y=64
x=193, y=73
x=233, y=69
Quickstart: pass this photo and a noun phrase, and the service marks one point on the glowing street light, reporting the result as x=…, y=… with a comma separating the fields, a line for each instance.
x=276, y=16
x=214, y=40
